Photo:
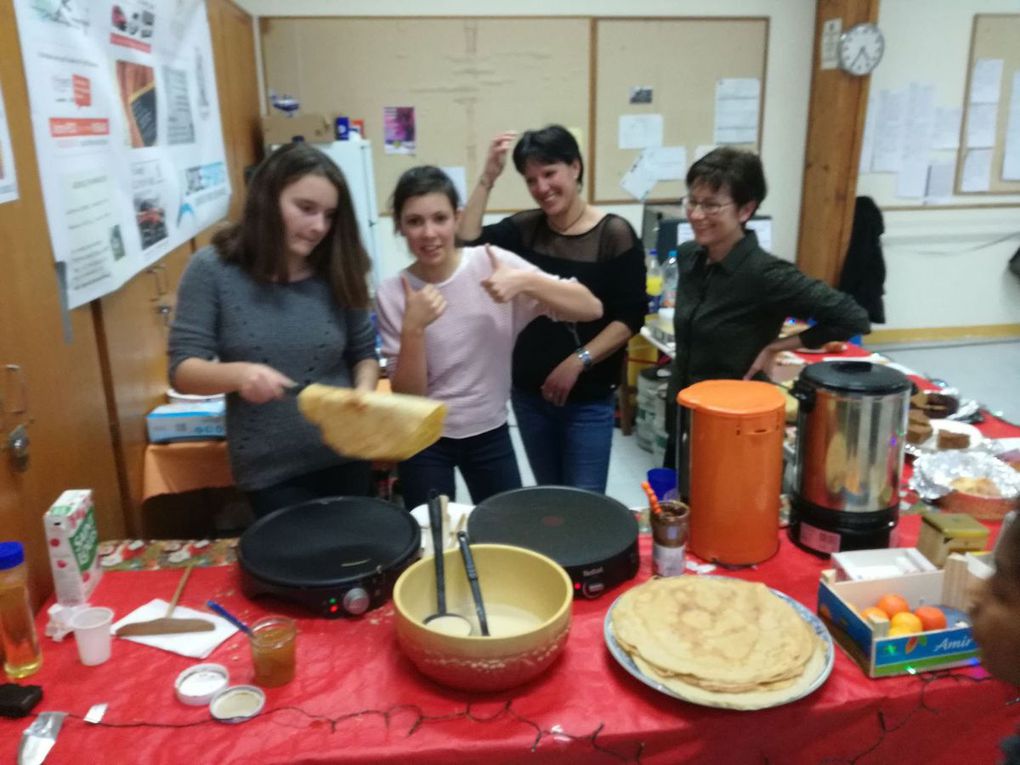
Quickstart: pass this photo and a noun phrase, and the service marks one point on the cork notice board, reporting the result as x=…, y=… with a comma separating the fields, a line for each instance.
x=995, y=37
x=681, y=60
x=467, y=78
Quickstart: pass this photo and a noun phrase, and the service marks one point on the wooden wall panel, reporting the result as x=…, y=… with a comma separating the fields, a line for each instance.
x=839, y=103
x=67, y=416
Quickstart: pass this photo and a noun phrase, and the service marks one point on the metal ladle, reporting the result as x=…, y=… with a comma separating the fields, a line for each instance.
x=441, y=621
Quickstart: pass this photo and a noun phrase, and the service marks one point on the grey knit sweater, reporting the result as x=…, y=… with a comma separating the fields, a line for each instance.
x=222, y=313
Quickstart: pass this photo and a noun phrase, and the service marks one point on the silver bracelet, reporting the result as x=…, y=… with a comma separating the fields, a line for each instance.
x=585, y=357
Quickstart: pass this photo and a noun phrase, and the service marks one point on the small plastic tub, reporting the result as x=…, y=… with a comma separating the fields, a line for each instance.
x=237, y=703
x=197, y=685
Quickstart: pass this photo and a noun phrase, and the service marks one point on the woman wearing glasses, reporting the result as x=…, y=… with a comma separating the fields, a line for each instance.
x=732, y=297
x=564, y=374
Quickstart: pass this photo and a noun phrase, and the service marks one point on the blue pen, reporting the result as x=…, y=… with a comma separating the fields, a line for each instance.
x=228, y=616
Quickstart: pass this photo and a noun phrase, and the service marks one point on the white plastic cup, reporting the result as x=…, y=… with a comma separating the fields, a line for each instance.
x=92, y=634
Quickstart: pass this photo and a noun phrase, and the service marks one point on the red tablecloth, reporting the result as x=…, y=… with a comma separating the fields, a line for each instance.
x=356, y=699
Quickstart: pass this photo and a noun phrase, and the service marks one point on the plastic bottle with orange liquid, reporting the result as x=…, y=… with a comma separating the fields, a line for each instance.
x=22, y=655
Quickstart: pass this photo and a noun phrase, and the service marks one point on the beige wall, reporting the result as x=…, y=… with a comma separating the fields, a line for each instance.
x=947, y=251
x=784, y=125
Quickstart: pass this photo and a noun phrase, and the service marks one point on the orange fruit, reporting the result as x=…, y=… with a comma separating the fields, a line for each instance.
x=893, y=604
x=931, y=617
x=899, y=632
x=907, y=621
x=874, y=612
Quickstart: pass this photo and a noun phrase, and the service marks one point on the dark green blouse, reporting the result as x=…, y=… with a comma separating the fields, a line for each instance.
x=728, y=311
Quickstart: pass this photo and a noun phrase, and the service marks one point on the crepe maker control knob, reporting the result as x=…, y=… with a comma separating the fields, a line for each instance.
x=356, y=601
x=592, y=588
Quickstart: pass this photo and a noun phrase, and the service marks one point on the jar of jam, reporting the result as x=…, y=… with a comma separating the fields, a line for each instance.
x=273, y=642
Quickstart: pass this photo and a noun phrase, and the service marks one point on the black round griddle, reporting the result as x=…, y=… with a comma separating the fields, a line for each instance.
x=338, y=556
x=592, y=536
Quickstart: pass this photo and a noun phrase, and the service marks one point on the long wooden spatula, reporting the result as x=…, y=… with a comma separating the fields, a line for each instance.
x=165, y=625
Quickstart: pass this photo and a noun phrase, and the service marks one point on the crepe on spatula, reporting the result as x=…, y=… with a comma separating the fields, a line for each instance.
x=373, y=426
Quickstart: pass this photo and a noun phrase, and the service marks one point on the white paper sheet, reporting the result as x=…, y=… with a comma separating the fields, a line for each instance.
x=947, y=127
x=640, y=131
x=828, y=53
x=981, y=123
x=458, y=175
x=8, y=174
x=667, y=163
x=197, y=645
x=737, y=102
x=977, y=170
x=986, y=81
x=940, y=181
x=868, y=139
x=1011, y=155
x=912, y=178
x=889, y=127
x=639, y=179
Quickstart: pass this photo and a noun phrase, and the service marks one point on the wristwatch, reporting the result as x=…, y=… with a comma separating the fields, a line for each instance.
x=585, y=357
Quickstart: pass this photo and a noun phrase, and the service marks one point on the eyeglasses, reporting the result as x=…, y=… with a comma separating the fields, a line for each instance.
x=708, y=208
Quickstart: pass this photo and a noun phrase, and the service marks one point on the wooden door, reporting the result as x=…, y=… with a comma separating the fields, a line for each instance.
x=56, y=386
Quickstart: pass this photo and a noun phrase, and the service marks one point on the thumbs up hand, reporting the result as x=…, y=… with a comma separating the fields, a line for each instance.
x=421, y=307
x=505, y=282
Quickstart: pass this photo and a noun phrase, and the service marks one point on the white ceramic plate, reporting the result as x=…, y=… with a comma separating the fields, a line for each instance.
x=952, y=426
x=813, y=621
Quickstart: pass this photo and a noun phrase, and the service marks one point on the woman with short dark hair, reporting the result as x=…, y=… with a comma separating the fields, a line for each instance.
x=732, y=297
x=280, y=298
x=564, y=376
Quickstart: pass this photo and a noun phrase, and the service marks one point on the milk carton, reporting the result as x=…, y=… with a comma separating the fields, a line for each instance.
x=73, y=541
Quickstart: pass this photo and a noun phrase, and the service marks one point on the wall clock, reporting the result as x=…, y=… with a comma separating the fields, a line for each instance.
x=860, y=49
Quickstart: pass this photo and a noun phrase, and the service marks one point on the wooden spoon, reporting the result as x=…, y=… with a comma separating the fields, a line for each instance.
x=165, y=625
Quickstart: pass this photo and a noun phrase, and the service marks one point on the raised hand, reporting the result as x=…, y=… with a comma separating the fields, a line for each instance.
x=505, y=282
x=421, y=307
x=260, y=383
x=495, y=160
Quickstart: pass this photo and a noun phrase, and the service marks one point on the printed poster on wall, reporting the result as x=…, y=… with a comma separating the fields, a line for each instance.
x=127, y=131
x=8, y=177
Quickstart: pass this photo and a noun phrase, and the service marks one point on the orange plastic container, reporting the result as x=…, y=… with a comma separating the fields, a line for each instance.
x=736, y=463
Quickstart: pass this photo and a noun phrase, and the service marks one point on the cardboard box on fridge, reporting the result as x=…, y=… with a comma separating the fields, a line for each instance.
x=72, y=539
x=840, y=603
x=312, y=128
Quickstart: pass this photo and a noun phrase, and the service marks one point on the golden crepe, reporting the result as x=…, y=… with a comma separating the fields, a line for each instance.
x=718, y=641
x=373, y=426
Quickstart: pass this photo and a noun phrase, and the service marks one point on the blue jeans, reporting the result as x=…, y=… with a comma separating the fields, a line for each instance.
x=486, y=461
x=566, y=445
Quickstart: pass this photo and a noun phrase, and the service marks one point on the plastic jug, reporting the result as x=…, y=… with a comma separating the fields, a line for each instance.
x=736, y=462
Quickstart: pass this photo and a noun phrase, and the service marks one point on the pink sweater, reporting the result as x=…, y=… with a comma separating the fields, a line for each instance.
x=468, y=349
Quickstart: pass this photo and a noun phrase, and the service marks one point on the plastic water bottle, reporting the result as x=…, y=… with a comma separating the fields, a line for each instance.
x=22, y=656
x=669, y=277
x=653, y=281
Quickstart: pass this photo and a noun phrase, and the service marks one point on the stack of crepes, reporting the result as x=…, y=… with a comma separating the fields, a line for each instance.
x=372, y=426
x=718, y=641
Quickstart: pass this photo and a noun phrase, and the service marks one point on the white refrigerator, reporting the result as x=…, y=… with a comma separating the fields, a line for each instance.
x=355, y=159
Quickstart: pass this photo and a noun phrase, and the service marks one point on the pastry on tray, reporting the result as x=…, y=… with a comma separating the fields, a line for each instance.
x=948, y=439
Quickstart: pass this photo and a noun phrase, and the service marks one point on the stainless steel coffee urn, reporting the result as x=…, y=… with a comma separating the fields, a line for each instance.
x=851, y=426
